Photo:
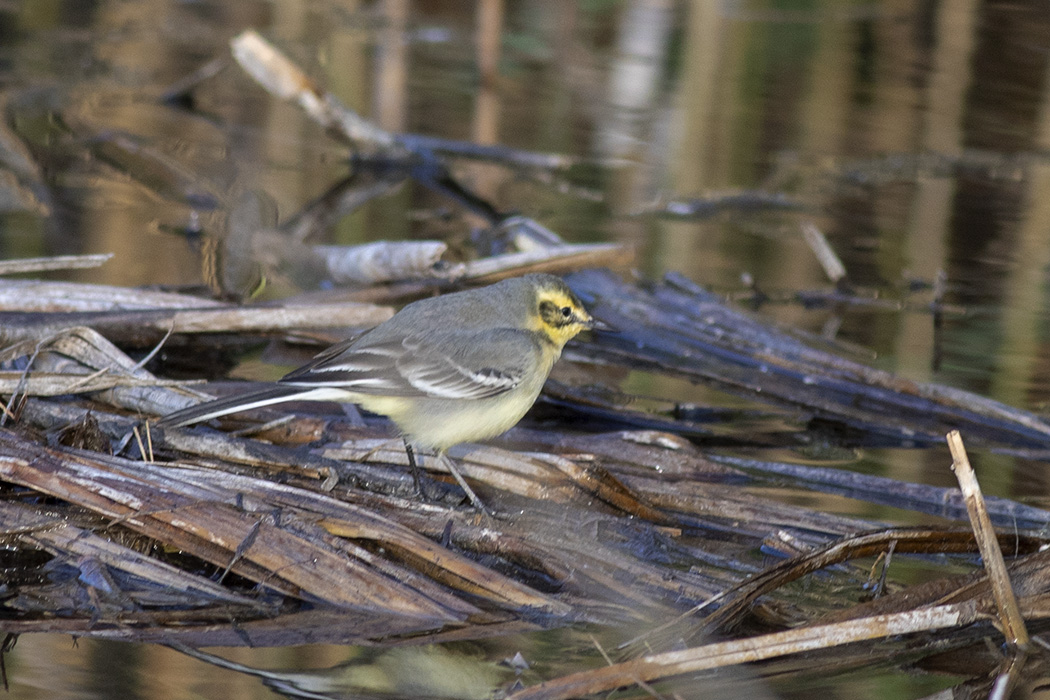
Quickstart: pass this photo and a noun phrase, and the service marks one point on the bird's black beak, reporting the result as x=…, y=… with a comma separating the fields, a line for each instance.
x=596, y=325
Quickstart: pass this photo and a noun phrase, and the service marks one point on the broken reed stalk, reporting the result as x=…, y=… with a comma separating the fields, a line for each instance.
x=150, y=326
x=285, y=80
x=282, y=78
x=553, y=259
x=826, y=256
x=1006, y=602
x=57, y=262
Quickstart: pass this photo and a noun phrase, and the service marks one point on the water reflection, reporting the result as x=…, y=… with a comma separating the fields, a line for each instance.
x=914, y=135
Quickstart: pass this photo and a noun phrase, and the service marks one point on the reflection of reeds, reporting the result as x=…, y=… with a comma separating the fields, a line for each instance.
x=489, y=34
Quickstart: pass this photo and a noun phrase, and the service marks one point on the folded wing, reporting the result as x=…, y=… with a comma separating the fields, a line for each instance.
x=450, y=365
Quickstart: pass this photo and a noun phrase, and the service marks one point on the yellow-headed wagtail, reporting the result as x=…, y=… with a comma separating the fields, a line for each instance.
x=455, y=368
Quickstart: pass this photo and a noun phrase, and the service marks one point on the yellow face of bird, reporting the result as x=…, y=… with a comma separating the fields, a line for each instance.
x=560, y=315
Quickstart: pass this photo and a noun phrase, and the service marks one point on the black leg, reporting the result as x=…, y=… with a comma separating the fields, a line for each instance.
x=416, y=476
x=454, y=471
x=443, y=458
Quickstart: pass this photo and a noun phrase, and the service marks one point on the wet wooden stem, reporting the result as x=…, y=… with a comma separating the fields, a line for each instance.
x=1009, y=613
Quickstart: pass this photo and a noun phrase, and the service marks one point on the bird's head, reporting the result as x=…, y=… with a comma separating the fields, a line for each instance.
x=557, y=312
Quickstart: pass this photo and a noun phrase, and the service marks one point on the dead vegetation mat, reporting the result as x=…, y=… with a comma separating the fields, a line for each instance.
x=304, y=525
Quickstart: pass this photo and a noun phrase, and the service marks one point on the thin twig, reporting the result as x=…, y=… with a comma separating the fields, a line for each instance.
x=24, y=379
x=149, y=442
x=242, y=547
x=156, y=348
x=674, y=621
x=86, y=379
x=609, y=662
x=138, y=439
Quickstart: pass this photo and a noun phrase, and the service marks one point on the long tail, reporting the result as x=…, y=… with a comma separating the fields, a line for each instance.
x=278, y=393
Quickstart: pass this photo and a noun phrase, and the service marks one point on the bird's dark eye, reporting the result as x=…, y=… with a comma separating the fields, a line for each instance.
x=566, y=312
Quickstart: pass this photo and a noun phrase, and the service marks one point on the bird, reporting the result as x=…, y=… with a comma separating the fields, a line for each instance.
x=460, y=367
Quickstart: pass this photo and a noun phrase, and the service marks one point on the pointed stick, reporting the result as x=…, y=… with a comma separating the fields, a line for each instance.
x=1009, y=613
